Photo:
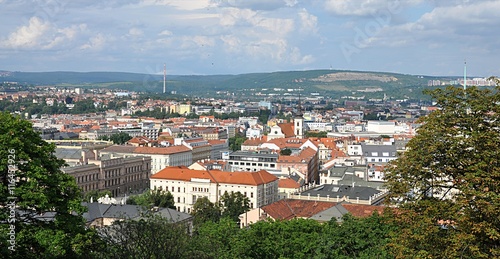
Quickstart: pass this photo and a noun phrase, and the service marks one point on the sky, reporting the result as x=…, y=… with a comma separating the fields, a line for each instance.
x=210, y=37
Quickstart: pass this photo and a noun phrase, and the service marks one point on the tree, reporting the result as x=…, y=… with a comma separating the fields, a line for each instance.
x=235, y=142
x=156, y=197
x=448, y=182
x=151, y=237
x=233, y=205
x=120, y=138
x=33, y=186
x=204, y=211
x=286, y=152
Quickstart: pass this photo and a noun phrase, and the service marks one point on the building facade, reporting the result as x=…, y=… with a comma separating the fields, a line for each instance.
x=188, y=185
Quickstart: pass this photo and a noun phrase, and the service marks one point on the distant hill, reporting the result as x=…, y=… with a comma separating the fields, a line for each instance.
x=325, y=82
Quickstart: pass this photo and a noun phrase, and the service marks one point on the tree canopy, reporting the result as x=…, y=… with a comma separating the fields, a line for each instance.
x=156, y=197
x=34, y=187
x=447, y=183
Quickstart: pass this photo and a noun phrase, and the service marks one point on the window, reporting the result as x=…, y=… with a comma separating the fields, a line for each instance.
x=178, y=189
x=178, y=199
x=173, y=188
x=251, y=195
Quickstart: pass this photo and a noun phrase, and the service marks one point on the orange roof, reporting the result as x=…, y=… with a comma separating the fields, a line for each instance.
x=216, y=141
x=288, y=183
x=161, y=150
x=245, y=178
x=254, y=141
x=361, y=210
x=305, y=155
x=288, y=142
x=289, y=209
x=287, y=129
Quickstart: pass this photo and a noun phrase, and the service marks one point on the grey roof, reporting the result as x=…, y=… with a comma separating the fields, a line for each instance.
x=364, y=193
x=379, y=149
x=98, y=210
x=118, y=149
x=68, y=153
x=244, y=153
x=337, y=212
x=349, y=179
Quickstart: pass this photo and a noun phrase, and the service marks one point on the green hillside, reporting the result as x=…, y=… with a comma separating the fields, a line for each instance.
x=324, y=82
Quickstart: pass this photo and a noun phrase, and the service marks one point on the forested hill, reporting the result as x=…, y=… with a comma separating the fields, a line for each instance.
x=321, y=81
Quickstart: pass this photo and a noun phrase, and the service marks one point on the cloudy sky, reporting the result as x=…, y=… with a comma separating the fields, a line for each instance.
x=429, y=37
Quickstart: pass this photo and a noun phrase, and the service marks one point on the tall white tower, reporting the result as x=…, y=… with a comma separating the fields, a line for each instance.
x=164, y=78
x=298, y=122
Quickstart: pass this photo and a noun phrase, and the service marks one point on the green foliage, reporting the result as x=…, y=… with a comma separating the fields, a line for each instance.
x=204, y=211
x=235, y=142
x=296, y=238
x=233, y=205
x=450, y=174
x=157, y=198
x=151, y=237
x=120, y=138
x=286, y=152
x=313, y=134
x=38, y=187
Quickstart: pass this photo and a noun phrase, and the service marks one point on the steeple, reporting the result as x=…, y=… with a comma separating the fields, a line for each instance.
x=298, y=121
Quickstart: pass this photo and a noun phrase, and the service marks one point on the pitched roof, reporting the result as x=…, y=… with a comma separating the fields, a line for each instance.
x=362, y=210
x=245, y=178
x=288, y=183
x=161, y=150
x=289, y=209
x=287, y=129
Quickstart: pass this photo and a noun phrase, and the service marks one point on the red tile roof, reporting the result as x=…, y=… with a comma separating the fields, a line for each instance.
x=288, y=183
x=244, y=178
x=161, y=150
x=361, y=210
x=289, y=209
x=287, y=129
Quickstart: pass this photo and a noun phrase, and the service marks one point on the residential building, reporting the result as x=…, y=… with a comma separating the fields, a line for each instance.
x=305, y=163
x=187, y=185
x=321, y=211
x=117, y=175
x=100, y=215
x=252, y=161
x=161, y=157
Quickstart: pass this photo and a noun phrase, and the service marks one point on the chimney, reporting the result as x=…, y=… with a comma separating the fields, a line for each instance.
x=96, y=154
x=85, y=159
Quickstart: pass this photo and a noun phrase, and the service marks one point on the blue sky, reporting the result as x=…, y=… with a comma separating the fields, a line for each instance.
x=428, y=37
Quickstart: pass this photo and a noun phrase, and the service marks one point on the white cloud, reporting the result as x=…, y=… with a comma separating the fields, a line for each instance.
x=181, y=4
x=41, y=34
x=165, y=33
x=474, y=24
x=308, y=21
x=95, y=43
x=297, y=58
x=366, y=7
x=28, y=36
x=256, y=4
x=135, y=32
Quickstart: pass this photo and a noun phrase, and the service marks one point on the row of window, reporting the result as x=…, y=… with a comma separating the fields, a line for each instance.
x=252, y=164
x=87, y=178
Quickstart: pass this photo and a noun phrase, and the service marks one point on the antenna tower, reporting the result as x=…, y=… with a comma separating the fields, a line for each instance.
x=465, y=75
x=164, y=78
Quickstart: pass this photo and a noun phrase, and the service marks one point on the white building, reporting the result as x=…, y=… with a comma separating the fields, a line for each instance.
x=188, y=185
x=161, y=157
x=382, y=127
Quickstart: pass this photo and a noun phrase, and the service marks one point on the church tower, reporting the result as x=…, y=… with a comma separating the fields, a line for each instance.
x=298, y=122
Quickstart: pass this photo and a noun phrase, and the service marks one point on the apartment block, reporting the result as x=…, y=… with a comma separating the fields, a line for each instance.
x=187, y=185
